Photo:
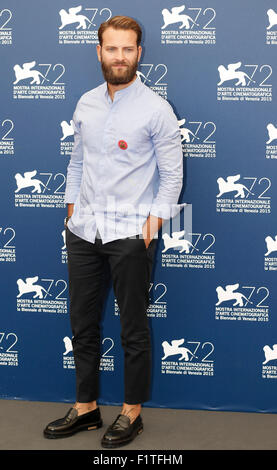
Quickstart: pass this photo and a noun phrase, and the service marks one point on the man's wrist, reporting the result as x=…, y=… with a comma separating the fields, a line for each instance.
x=66, y=220
x=150, y=227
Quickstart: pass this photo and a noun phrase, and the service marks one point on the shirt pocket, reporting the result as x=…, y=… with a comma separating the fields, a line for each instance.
x=132, y=145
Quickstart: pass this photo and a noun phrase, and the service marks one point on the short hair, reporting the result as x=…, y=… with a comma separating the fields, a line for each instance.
x=120, y=22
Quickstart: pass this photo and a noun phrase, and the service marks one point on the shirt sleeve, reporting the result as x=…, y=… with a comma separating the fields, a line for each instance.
x=75, y=166
x=166, y=138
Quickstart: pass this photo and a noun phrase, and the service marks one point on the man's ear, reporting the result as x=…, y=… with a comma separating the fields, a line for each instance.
x=98, y=51
x=139, y=52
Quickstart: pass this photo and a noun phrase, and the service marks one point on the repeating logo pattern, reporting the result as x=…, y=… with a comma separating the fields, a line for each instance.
x=6, y=31
x=188, y=25
x=271, y=29
x=39, y=189
x=248, y=303
x=244, y=82
x=251, y=195
x=224, y=101
x=7, y=142
x=7, y=245
x=9, y=355
x=157, y=301
x=41, y=295
x=66, y=137
x=198, y=138
x=79, y=25
x=107, y=360
x=269, y=364
x=155, y=77
x=196, y=358
x=270, y=255
x=271, y=143
x=39, y=83
x=190, y=250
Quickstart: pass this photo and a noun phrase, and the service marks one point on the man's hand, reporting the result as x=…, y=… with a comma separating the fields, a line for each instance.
x=70, y=208
x=151, y=226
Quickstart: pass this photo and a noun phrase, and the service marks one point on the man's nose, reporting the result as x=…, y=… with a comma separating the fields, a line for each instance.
x=120, y=56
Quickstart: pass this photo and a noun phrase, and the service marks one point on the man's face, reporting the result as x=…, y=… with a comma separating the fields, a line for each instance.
x=119, y=55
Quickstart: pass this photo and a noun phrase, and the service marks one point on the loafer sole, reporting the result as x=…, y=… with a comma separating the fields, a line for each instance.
x=111, y=444
x=83, y=427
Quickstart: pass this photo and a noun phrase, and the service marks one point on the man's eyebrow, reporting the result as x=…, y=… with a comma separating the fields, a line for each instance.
x=112, y=45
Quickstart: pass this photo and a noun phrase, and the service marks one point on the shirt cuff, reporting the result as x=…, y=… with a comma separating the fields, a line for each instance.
x=166, y=211
x=70, y=197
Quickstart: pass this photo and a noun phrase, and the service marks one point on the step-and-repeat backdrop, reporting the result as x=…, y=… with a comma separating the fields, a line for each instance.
x=213, y=302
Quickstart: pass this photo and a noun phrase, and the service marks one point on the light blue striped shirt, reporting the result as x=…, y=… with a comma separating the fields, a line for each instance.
x=126, y=162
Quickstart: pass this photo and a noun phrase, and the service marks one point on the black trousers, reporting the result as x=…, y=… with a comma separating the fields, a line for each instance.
x=90, y=267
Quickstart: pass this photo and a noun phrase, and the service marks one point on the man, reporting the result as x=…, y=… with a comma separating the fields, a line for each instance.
x=124, y=178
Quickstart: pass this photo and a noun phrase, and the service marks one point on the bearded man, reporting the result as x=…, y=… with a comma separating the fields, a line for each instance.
x=124, y=179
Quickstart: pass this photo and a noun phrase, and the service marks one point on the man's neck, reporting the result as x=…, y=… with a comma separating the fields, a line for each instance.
x=112, y=89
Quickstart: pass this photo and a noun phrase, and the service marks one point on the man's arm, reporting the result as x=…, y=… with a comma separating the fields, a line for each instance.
x=74, y=169
x=166, y=138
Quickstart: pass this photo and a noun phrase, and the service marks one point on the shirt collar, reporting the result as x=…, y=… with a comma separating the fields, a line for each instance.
x=125, y=91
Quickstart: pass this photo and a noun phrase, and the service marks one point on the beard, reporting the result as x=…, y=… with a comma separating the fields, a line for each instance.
x=124, y=76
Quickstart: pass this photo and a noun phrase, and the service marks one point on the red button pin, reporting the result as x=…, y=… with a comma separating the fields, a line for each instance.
x=122, y=145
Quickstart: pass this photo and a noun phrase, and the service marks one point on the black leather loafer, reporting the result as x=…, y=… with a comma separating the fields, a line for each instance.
x=122, y=432
x=73, y=423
